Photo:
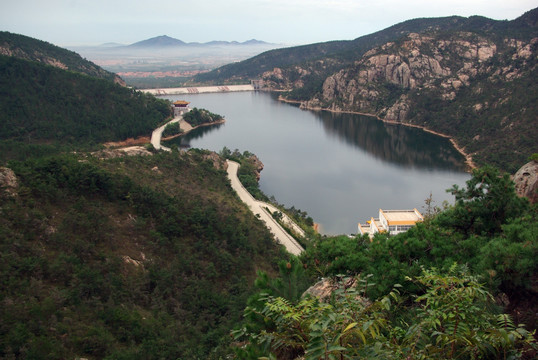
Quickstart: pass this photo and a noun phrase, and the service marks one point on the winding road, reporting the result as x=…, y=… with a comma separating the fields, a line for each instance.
x=157, y=133
x=259, y=209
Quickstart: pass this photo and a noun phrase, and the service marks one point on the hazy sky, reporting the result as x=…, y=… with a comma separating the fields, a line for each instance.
x=87, y=22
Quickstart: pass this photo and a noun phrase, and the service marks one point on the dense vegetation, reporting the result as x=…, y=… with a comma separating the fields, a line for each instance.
x=111, y=259
x=139, y=257
x=45, y=105
x=172, y=129
x=391, y=304
x=155, y=257
x=197, y=117
x=503, y=134
x=31, y=49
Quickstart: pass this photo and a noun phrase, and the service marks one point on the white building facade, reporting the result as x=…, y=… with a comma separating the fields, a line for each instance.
x=391, y=221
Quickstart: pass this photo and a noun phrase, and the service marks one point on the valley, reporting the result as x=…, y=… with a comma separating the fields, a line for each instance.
x=138, y=253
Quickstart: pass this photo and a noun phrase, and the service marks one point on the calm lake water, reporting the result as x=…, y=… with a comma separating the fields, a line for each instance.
x=340, y=168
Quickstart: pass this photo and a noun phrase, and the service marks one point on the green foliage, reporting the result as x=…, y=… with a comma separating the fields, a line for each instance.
x=172, y=130
x=451, y=320
x=349, y=325
x=489, y=228
x=197, y=117
x=41, y=103
x=109, y=259
x=454, y=321
x=27, y=48
x=488, y=201
x=290, y=284
x=510, y=257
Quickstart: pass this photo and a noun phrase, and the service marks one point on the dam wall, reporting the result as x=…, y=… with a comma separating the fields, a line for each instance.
x=198, y=90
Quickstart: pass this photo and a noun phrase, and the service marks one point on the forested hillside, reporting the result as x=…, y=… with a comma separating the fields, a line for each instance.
x=28, y=48
x=155, y=257
x=44, y=105
x=473, y=79
x=129, y=258
x=142, y=257
x=461, y=285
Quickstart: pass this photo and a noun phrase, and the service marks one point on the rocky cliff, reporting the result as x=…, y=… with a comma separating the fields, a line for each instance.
x=478, y=89
x=421, y=63
x=526, y=180
x=472, y=79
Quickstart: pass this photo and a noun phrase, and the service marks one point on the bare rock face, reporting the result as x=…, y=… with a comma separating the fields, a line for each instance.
x=526, y=180
x=258, y=165
x=121, y=152
x=8, y=183
x=324, y=289
x=398, y=111
x=218, y=162
x=419, y=62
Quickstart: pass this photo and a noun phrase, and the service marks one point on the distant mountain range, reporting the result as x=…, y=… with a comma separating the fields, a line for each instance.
x=167, y=41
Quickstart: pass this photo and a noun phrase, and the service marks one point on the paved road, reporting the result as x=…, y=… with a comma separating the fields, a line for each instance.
x=157, y=134
x=258, y=208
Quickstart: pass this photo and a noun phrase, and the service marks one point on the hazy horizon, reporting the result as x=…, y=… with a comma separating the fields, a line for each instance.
x=71, y=23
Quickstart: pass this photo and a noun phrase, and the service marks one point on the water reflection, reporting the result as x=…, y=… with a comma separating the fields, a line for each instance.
x=185, y=140
x=397, y=144
x=340, y=168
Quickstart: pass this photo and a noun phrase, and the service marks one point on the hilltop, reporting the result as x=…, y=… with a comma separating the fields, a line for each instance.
x=27, y=48
x=164, y=61
x=167, y=41
x=472, y=79
x=45, y=108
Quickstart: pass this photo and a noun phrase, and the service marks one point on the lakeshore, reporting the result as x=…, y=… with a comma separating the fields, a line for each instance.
x=468, y=158
x=236, y=88
x=368, y=164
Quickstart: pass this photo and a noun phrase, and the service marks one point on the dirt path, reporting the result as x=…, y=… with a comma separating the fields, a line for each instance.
x=258, y=208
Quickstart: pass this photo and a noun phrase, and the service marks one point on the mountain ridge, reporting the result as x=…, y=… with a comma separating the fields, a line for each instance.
x=167, y=41
x=420, y=72
x=27, y=48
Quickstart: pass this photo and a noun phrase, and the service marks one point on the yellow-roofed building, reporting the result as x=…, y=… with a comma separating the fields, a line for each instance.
x=391, y=221
x=180, y=107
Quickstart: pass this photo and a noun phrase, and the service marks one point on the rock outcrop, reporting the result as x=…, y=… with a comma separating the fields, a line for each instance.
x=121, y=152
x=8, y=183
x=324, y=289
x=258, y=165
x=526, y=180
x=418, y=62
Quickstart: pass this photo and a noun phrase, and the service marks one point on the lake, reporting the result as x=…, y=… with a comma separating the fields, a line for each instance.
x=340, y=168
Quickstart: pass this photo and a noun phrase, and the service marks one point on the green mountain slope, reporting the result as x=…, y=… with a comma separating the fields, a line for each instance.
x=473, y=79
x=132, y=258
x=341, y=52
x=28, y=48
x=43, y=102
x=126, y=258
x=45, y=105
